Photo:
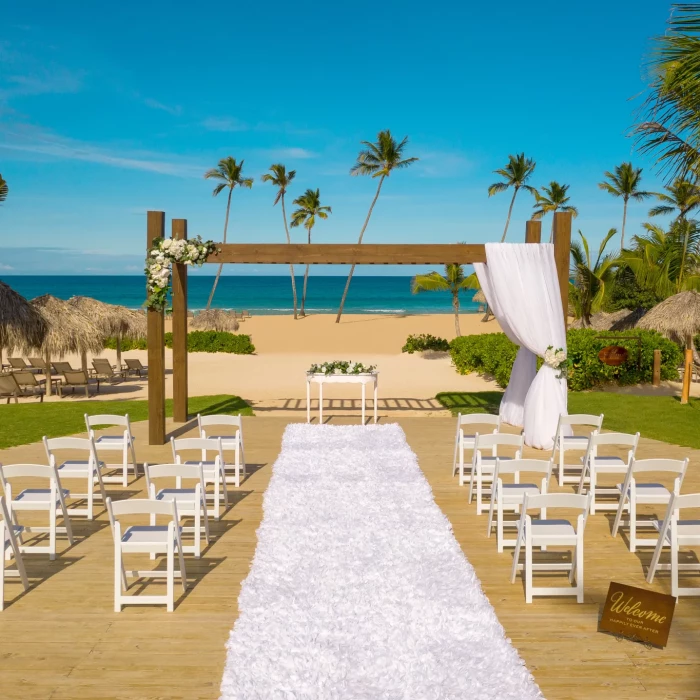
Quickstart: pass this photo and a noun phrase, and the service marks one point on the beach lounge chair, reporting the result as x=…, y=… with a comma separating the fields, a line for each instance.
x=135, y=367
x=78, y=379
x=10, y=389
x=28, y=380
x=62, y=367
x=19, y=363
x=105, y=371
x=38, y=363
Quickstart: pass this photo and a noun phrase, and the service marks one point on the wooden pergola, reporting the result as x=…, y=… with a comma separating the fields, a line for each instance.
x=298, y=254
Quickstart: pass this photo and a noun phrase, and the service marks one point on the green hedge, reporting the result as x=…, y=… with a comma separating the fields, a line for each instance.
x=493, y=354
x=425, y=341
x=197, y=341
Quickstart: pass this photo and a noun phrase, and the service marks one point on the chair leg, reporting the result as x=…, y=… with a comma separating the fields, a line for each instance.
x=183, y=570
x=171, y=574
x=206, y=517
x=66, y=520
x=528, y=568
x=118, y=577
x=579, y=571
x=633, y=524
x=197, y=533
x=52, y=533
x=674, y=568
x=561, y=466
x=618, y=515
x=500, y=527
x=592, y=490
x=516, y=554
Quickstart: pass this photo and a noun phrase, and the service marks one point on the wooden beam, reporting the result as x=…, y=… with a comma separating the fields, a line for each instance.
x=348, y=254
x=562, y=253
x=533, y=231
x=155, y=228
x=179, y=228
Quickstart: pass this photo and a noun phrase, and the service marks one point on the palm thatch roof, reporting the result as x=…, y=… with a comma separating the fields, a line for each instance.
x=677, y=317
x=20, y=323
x=622, y=320
x=67, y=330
x=479, y=297
x=112, y=320
x=214, y=320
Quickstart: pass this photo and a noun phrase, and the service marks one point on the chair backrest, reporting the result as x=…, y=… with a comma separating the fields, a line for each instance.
x=620, y=439
x=173, y=471
x=8, y=384
x=234, y=421
x=513, y=466
x=134, y=364
x=496, y=439
x=688, y=500
x=478, y=419
x=675, y=466
x=37, y=362
x=102, y=365
x=76, y=377
x=17, y=363
x=108, y=419
x=581, y=419
x=69, y=443
x=140, y=506
x=25, y=378
x=34, y=471
x=572, y=501
x=203, y=444
x=62, y=367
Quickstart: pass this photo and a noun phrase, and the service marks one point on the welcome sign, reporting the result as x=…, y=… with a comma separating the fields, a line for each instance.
x=638, y=614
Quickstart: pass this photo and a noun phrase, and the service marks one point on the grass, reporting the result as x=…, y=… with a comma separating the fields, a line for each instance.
x=21, y=424
x=657, y=417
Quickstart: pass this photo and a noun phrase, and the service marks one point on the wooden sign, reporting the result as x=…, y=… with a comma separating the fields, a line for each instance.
x=637, y=614
x=613, y=355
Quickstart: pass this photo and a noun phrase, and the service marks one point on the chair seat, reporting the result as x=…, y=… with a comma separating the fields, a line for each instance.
x=146, y=535
x=185, y=496
x=552, y=530
x=37, y=496
x=516, y=492
x=610, y=464
x=658, y=493
x=113, y=442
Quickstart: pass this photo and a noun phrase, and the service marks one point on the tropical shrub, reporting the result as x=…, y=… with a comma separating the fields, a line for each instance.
x=493, y=354
x=425, y=341
x=197, y=341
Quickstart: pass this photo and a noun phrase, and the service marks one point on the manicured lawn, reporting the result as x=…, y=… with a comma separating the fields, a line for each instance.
x=23, y=423
x=657, y=417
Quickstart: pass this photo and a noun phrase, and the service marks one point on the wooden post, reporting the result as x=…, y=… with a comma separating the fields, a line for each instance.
x=533, y=231
x=180, y=330
x=656, y=376
x=562, y=253
x=155, y=228
x=688, y=371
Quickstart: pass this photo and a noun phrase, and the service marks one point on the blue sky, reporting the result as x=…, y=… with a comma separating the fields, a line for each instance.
x=106, y=113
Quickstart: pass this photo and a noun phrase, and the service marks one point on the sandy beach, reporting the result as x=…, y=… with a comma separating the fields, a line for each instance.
x=274, y=378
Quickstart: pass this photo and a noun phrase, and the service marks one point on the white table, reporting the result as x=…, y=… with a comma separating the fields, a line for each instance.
x=322, y=379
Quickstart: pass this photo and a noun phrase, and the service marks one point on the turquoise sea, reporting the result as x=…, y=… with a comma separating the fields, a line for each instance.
x=260, y=295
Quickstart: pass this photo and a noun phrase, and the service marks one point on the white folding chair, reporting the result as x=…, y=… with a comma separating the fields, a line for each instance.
x=510, y=497
x=595, y=464
x=552, y=533
x=10, y=550
x=213, y=470
x=88, y=469
x=146, y=539
x=191, y=502
x=466, y=442
x=123, y=443
x=565, y=442
x=677, y=533
x=229, y=442
x=483, y=465
x=51, y=500
x=634, y=493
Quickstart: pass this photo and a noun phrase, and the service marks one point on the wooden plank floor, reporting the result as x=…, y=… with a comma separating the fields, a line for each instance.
x=63, y=640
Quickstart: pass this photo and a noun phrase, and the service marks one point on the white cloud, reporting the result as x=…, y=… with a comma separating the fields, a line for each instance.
x=6, y=267
x=224, y=124
x=299, y=153
x=441, y=164
x=154, y=104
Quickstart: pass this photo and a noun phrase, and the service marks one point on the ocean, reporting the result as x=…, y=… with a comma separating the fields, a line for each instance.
x=260, y=295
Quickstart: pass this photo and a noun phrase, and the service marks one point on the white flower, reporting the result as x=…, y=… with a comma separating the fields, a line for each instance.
x=154, y=253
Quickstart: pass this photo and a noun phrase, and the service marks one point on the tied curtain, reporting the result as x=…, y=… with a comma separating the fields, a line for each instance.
x=520, y=283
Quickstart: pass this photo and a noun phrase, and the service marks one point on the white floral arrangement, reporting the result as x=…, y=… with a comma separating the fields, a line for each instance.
x=557, y=360
x=164, y=252
x=342, y=367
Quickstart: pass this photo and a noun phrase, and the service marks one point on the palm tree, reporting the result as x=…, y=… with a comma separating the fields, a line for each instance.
x=624, y=182
x=452, y=281
x=3, y=189
x=683, y=197
x=229, y=174
x=671, y=111
x=309, y=208
x=281, y=179
x=554, y=199
x=378, y=160
x=592, y=282
x=516, y=173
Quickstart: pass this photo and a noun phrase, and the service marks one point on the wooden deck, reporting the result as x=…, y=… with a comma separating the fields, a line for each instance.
x=63, y=640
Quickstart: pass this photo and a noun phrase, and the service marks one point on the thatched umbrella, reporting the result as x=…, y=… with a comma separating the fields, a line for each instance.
x=21, y=324
x=113, y=321
x=214, y=320
x=67, y=330
x=678, y=318
x=622, y=320
x=479, y=297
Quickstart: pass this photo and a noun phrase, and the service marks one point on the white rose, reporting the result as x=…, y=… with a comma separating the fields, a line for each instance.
x=166, y=244
x=154, y=253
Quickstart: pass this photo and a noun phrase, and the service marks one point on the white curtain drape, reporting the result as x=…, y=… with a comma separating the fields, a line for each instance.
x=521, y=286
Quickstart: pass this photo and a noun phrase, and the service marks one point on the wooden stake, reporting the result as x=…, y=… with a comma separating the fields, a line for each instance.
x=562, y=253
x=656, y=377
x=687, y=372
x=155, y=228
x=533, y=231
x=179, y=228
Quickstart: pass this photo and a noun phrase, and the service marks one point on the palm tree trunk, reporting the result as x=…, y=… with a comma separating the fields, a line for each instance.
x=510, y=211
x=455, y=308
x=221, y=265
x=306, y=281
x=119, y=351
x=624, y=221
x=362, y=233
x=291, y=267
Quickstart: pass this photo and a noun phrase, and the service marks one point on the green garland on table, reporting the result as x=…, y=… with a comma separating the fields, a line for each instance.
x=342, y=367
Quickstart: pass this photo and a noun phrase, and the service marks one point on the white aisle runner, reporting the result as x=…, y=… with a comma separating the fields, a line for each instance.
x=358, y=588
